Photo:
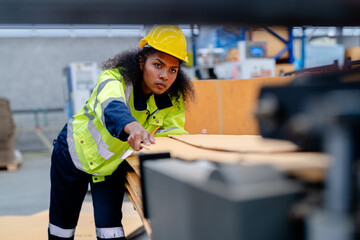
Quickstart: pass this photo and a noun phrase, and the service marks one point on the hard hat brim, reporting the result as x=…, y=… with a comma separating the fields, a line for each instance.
x=144, y=41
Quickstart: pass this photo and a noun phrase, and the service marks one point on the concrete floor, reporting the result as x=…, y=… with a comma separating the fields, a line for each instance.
x=27, y=190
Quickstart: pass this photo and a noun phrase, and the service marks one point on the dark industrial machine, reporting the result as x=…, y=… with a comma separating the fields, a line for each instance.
x=202, y=200
x=321, y=112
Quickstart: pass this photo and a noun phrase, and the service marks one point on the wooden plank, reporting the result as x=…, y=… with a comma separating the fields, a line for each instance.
x=187, y=152
x=134, y=181
x=134, y=189
x=311, y=174
x=145, y=221
x=135, y=197
x=288, y=162
x=135, y=203
x=237, y=143
x=134, y=163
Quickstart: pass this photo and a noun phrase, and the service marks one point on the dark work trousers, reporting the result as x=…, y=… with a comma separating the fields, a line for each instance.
x=68, y=188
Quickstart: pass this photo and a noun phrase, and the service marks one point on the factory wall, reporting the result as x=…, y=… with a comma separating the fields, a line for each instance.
x=31, y=68
x=31, y=71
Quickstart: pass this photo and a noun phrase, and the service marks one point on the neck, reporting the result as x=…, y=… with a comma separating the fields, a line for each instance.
x=145, y=89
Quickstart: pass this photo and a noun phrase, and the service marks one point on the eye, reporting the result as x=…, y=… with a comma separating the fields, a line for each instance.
x=157, y=65
x=173, y=70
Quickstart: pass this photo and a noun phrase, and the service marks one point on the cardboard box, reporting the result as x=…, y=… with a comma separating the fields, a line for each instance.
x=354, y=53
x=274, y=45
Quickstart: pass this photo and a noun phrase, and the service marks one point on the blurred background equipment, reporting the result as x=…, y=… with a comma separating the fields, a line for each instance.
x=80, y=79
x=232, y=52
x=251, y=62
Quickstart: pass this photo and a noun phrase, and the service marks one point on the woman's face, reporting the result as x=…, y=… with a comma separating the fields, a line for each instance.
x=159, y=72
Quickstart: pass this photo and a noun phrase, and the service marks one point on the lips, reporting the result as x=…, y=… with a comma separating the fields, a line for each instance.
x=161, y=85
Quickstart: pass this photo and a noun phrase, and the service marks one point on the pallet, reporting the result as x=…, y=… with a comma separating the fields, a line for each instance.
x=14, y=165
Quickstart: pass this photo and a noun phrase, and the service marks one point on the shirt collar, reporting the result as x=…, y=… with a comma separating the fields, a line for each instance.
x=161, y=100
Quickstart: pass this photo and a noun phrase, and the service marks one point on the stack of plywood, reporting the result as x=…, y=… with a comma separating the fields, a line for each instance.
x=244, y=150
x=8, y=159
x=133, y=188
x=228, y=149
x=274, y=44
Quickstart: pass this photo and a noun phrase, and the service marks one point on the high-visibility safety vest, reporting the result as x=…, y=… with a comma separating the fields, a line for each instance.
x=92, y=148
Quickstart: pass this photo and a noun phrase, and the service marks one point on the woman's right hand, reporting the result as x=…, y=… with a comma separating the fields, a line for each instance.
x=138, y=135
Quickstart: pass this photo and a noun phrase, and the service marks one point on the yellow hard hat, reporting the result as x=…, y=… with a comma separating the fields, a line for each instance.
x=168, y=39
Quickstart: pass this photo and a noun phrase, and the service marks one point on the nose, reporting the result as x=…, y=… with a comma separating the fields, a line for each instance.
x=164, y=75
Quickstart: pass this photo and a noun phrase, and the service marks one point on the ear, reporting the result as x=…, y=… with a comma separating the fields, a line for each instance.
x=141, y=63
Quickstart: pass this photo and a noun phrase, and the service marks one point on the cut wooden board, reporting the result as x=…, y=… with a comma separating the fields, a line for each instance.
x=289, y=161
x=134, y=163
x=295, y=163
x=134, y=181
x=237, y=143
x=178, y=149
x=140, y=211
x=133, y=189
x=136, y=197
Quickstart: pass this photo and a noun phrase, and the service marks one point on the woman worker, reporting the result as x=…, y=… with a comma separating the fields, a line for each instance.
x=141, y=91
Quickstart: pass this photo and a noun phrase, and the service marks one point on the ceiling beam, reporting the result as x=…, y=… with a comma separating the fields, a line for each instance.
x=244, y=12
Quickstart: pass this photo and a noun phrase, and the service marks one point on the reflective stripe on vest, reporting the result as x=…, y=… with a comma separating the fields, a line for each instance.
x=115, y=232
x=60, y=232
x=102, y=147
x=165, y=130
x=71, y=145
x=101, y=86
x=105, y=103
x=128, y=90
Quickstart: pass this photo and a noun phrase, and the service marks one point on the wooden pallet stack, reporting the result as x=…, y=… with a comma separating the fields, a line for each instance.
x=8, y=156
x=133, y=189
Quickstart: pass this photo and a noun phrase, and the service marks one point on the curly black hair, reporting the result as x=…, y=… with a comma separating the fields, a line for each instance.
x=129, y=67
